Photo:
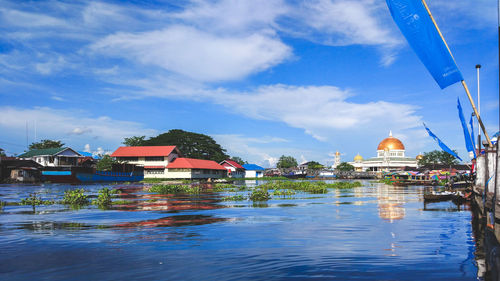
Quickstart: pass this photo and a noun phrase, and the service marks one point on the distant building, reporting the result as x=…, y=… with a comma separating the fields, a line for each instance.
x=253, y=171
x=336, y=160
x=234, y=170
x=53, y=157
x=390, y=157
x=188, y=168
x=154, y=158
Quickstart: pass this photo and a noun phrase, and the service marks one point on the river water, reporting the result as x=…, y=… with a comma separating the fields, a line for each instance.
x=373, y=232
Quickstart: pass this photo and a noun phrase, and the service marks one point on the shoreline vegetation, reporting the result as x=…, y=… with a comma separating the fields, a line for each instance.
x=105, y=198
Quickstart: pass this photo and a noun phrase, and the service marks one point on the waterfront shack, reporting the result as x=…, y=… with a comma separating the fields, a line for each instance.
x=234, y=170
x=253, y=171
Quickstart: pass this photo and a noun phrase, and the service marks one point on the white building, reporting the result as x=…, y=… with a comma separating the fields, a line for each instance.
x=188, y=168
x=390, y=156
x=165, y=162
x=234, y=170
x=53, y=157
x=336, y=160
x=253, y=171
x=154, y=158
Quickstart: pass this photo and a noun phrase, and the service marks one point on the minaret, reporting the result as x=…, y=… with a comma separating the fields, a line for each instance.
x=337, y=160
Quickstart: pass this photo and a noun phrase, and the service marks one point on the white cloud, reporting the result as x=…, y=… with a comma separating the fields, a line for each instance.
x=258, y=150
x=321, y=111
x=233, y=15
x=197, y=54
x=73, y=127
x=27, y=19
x=86, y=148
x=342, y=22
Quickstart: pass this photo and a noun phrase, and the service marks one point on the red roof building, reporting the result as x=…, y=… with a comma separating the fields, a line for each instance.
x=188, y=168
x=234, y=169
x=154, y=158
x=143, y=151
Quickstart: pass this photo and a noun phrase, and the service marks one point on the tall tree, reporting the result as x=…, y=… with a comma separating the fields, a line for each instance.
x=239, y=160
x=313, y=165
x=435, y=157
x=46, y=144
x=286, y=162
x=105, y=163
x=344, y=166
x=191, y=145
x=134, y=141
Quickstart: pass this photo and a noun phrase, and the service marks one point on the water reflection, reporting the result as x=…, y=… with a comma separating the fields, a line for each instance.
x=183, y=220
x=391, y=202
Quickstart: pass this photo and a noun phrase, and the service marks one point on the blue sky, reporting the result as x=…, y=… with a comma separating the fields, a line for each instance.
x=264, y=78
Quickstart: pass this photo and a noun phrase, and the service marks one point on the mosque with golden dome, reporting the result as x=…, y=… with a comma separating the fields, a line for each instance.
x=390, y=157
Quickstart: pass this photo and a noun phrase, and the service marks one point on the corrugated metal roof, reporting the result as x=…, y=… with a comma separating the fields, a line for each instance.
x=232, y=163
x=190, y=163
x=253, y=167
x=136, y=151
x=46, y=151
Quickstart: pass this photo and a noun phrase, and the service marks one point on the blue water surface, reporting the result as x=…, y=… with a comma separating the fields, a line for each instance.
x=373, y=232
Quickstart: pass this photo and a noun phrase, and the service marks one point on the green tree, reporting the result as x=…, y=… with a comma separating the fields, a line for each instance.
x=344, y=166
x=191, y=145
x=286, y=162
x=239, y=160
x=435, y=157
x=46, y=144
x=106, y=163
x=313, y=165
x=134, y=141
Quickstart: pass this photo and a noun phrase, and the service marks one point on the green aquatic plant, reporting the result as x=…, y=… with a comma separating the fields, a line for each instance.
x=260, y=194
x=75, y=197
x=175, y=188
x=284, y=192
x=238, y=197
x=32, y=200
x=122, y=202
x=104, y=197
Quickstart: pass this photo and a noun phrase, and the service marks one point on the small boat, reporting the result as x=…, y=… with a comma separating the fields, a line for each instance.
x=439, y=196
x=119, y=173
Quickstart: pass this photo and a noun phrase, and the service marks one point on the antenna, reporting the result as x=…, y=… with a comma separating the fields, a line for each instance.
x=27, y=145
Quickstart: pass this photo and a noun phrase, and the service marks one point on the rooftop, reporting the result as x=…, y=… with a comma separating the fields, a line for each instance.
x=190, y=163
x=136, y=151
x=253, y=167
x=46, y=151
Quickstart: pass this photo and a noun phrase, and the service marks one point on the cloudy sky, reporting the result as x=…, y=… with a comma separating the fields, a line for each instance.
x=262, y=77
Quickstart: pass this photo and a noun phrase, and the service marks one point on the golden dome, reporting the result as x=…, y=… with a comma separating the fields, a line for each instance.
x=337, y=153
x=391, y=143
x=420, y=156
x=358, y=158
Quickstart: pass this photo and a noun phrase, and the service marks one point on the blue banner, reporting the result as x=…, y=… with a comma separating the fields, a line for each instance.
x=473, y=135
x=468, y=139
x=442, y=145
x=421, y=33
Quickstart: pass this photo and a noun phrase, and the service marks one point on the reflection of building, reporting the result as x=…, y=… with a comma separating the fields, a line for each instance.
x=391, y=203
x=390, y=156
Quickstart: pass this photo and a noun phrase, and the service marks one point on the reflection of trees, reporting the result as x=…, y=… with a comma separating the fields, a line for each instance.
x=391, y=202
x=136, y=201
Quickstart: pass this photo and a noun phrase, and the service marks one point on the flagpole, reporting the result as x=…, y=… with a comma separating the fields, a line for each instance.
x=463, y=81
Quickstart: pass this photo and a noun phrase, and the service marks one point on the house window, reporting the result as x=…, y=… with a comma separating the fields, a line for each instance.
x=128, y=159
x=154, y=158
x=154, y=171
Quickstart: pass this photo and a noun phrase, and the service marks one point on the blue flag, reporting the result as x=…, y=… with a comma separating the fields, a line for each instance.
x=468, y=139
x=472, y=131
x=442, y=145
x=417, y=26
